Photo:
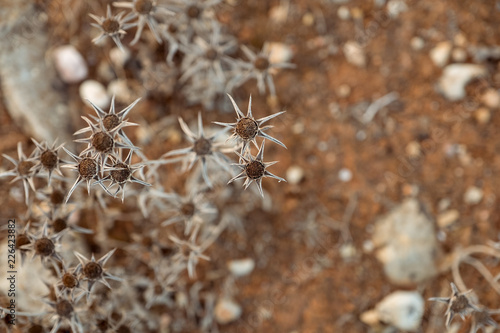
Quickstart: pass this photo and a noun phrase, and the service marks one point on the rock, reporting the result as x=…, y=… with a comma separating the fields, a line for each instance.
x=95, y=92
x=118, y=57
x=241, y=267
x=406, y=244
x=294, y=174
x=455, y=77
x=440, y=54
x=482, y=115
x=417, y=43
x=279, y=52
x=343, y=91
x=70, y=64
x=343, y=13
x=226, y=311
x=345, y=175
x=491, y=98
x=401, y=309
x=459, y=55
x=354, y=53
x=447, y=218
x=473, y=195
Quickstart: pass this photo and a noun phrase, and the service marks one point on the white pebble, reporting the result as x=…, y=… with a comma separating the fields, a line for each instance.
x=491, y=98
x=343, y=13
x=447, y=218
x=473, y=195
x=294, y=174
x=95, y=92
x=118, y=57
x=455, y=77
x=440, y=54
x=417, y=43
x=459, y=55
x=227, y=311
x=345, y=175
x=70, y=64
x=482, y=115
x=279, y=52
x=241, y=267
x=354, y=53
x=401, y=309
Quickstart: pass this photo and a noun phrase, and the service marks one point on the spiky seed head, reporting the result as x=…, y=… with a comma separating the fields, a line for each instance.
x=36, y=329
x=87, y=168
x=111, y=121
x=193, y=12
x=255, y=170
x=121, y=174
x=247, y=128
x=102, y=142
x=111, y=26
x=460, y=304
x=49, y=159
x=92, y=271
x=59, y=225
x=44, y=247
x=211, y=54
x=202, y=147
x=56, y=197
x=261, y=63
x=158, y=289
x=143, y=7
x=64, y=308
x=24, y=168
x=22, y=240
x=69, y=280
x=172, y=28
x=188, y=209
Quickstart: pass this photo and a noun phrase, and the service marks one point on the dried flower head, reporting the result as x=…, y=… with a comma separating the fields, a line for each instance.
x=121, y=173
x=202, y=149
x=458, y=303
x=247, y=128
x=93, y=271
x=145, y=11
x=63, y=310
x=254, y=169
x=44, y=245
x=47, y=158
x=112, y=26
x=88, y=170
x=482, y=319
x=23, y=170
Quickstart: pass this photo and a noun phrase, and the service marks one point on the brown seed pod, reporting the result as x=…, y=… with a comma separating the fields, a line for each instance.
x=59, y=225
x=22, y=240
x=69, y=280
x=111, y=121
x=24, y=168
x=92, y=271
x=44, y=247
x=188, y=209
x=49, y=159
x=255, y=169
x=261, y=63
x=247, y=128
x=111, y=26
x=193, y=12
x=64, y=308
x=202, y=146
x=121, y=174
x=102, y=142
x=87, y=168
x=143, y=7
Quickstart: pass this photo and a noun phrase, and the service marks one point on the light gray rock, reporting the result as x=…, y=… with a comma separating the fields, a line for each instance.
x=406, y=244
x=455, y=77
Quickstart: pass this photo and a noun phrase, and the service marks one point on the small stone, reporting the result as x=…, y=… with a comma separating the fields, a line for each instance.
x=354, y=53
x=279, y=52
x=396, y=7
x=118, y=57
x=348, y=251
x=308, y=19
x=345, y=175
x=241, y=267
x=455, y=77
x=70, y=64
x=357, y=13
x=459, y=55
x=343, y=91
x=413, y=149
x=491, y=98
x=460, y=40
x=440, y=54
x=482, y=115
x=473, y=195
x=447, y=218
x=294, y=174
x=95, y=92
x=278, y=14
x=401, y=309
x=226, y=311
x=343, y=13
x=417, y=43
